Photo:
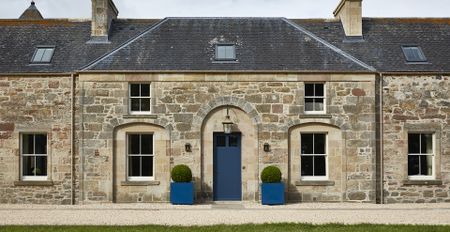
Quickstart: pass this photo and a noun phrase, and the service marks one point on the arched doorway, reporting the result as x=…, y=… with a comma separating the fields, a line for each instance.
x=229, y=161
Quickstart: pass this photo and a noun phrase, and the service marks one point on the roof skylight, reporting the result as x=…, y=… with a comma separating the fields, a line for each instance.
x=414, y=54
x=43, y=55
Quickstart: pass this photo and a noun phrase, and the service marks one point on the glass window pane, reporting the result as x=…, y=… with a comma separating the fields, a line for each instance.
x=40, y=144
x=133, y=144
x=134, y=165
x=427, y=144
x=221, y=52
x=38, y=56
x=48, y=53
x=319, y=143
x=147, y=144
x=147, y=165
x=414, y=54
x=413, y=143
x=426, y=165
x=145, y=104
x=413, y=165
x=28, y=165
x=307, y=143
x=145, y=90
x=318, y=104
x=309, y=104
x=319, y=166
x=41, y=166
x=234, y=141
x=229, y=52
x=28, y=144
x=307, y=166
x=319, y=90
x=135, y=104
x=135, y=90
x=309, y=90
x=221, y=141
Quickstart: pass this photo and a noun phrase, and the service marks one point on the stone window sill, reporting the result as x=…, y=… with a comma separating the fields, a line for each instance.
x=139, y=183
x=315, y=116
x=150, y=116
x=315, y=183
x=33, y=183
x=422, y=182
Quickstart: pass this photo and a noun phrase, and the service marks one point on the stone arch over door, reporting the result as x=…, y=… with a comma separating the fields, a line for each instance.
x=331, y=189
x=248, y=127
x=156, y=190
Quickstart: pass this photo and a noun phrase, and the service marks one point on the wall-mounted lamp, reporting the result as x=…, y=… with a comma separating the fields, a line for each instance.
x=266, y=147
x=227, y=124
x=188, y=147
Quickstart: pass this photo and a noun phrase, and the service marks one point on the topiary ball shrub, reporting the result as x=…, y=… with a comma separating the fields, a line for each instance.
x=181, y=173
x=271, y=174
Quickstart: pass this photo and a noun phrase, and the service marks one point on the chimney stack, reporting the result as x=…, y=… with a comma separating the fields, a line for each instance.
x=103, y=13
x=350, y=14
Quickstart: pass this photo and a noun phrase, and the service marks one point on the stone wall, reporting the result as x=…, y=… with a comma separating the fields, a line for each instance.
x=35, y=104
x=274, y=103
x=415, y=104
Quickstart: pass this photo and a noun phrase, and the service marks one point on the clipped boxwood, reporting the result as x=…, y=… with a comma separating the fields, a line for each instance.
x=181, y=173
x=271, y=174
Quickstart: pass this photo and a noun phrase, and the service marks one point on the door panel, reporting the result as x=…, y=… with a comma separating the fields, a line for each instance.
x=227, y=183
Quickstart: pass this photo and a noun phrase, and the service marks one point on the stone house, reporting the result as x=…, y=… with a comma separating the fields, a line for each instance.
x=351, y=109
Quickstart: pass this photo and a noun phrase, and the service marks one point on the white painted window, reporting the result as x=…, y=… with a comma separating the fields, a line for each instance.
x=140, y=98
x=140, y=157
x=315, y=98
x=314, y=156
x=420, y=156
x=34, y=156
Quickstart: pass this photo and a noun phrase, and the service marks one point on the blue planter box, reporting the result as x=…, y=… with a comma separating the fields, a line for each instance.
x=272, y=193
x=182, y=193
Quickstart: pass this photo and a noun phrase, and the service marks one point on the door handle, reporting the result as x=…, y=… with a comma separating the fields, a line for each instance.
x=243, y=167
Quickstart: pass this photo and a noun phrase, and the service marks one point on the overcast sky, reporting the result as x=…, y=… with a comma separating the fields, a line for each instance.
x=223, y=8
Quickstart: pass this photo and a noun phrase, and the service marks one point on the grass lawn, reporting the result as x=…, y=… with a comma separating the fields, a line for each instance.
x=255, y=228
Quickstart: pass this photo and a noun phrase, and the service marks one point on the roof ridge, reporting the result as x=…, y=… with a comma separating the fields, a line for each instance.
x=125, y=44
x=330, y=46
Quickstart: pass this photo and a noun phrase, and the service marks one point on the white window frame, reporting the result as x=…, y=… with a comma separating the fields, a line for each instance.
x=324, y=111
x=315, y=178
x=140, y=97
x=139, y=178
x=32, y=178
x=433, y=159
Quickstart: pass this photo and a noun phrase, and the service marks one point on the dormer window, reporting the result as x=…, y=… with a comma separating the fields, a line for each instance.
x=225, y=52
x=43, y=55
x=413, y=54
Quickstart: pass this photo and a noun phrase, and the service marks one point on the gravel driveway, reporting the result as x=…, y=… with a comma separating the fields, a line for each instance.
x=229, y=213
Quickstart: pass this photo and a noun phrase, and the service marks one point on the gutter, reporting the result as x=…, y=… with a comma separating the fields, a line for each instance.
x=221, y=72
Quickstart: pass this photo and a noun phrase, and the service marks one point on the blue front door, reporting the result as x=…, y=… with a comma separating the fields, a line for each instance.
x=227, y=184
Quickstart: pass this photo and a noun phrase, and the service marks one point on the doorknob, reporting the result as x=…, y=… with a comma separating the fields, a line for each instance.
x=243, y=167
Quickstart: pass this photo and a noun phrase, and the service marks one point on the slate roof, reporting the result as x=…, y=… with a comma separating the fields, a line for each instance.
x=31, y=13
x=19, y=38
x=263, y=44
x=384, y=38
